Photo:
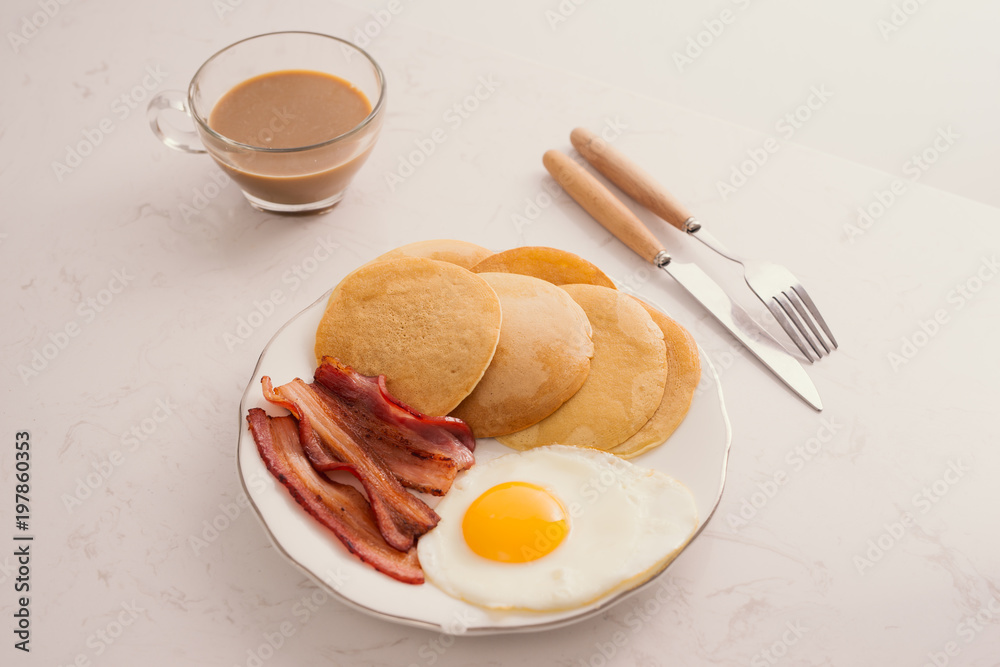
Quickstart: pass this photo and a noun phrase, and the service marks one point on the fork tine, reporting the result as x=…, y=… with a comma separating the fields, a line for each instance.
x=789, y=309
x=777, y=309
x=801, y=292
x=794, y=299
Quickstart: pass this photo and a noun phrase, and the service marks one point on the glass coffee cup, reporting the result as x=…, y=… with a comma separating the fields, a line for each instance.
x=289, y=116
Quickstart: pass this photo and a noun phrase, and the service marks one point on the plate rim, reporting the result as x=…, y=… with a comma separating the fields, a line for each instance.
x=480, y=630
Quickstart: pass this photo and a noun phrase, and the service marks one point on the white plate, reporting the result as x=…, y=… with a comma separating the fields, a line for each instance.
x=696, y=454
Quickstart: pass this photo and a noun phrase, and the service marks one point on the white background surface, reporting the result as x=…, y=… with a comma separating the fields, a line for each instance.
x=195, y=260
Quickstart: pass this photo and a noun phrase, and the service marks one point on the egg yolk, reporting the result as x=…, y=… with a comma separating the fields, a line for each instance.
x=515, y=522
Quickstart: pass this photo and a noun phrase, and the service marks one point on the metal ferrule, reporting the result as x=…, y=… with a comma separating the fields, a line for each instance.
x=691, y=225
x=662, y=259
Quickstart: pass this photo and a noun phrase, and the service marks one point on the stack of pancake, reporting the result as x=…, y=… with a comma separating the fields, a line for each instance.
x=533, y=346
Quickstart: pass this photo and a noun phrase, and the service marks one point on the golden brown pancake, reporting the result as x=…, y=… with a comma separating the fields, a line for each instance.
x=683, y=375
x=625, y=384
x=542, y=359
x=463, y=253
x=556, y=266
x=430, y=327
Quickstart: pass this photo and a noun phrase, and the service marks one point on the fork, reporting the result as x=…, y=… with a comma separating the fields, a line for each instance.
x=774, y=285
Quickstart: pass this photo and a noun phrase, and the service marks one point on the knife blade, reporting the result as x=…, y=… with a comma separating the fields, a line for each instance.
x=617, y=218
x=729, y=314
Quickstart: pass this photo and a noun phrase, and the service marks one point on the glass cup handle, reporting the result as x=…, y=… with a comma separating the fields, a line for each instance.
x=187, y=141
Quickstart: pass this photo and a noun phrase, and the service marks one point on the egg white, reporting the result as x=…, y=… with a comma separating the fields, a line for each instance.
x=626, y=524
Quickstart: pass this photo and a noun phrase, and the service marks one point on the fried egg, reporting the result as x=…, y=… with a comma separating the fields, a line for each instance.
x=555, y=528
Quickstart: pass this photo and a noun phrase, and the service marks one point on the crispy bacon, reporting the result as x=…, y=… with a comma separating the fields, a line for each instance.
x=423, y=452
x=429, y=475
x=339, y=507
x=401, y=517
x=343, y=379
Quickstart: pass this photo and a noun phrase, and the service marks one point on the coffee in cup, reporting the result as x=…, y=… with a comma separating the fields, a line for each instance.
x=289, y=116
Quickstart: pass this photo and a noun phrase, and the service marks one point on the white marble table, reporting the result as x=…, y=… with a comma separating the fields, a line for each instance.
x=139, y=294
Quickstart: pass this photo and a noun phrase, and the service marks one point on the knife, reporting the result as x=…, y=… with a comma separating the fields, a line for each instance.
x=618, y=219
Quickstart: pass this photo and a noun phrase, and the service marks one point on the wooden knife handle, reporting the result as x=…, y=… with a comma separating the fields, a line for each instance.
x=630, y=177
x=603, y=205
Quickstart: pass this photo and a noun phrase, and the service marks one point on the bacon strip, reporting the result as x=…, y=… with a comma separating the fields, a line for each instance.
x=428, y=475
x=339, y=507
x=354, y=386
x=401, y=517
x=424, y=453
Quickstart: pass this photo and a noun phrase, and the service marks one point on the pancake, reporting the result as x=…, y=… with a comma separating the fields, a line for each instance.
x=625, y=385
x=430, y=327
x=683, y=375
x=462, y=253
x=542, y=359
x=556, y=266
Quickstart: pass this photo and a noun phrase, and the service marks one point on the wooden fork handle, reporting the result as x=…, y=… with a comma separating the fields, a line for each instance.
x=630, y=177
x=603, y=205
